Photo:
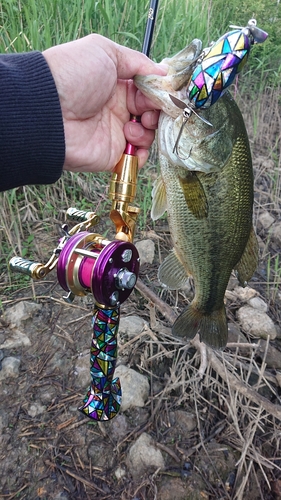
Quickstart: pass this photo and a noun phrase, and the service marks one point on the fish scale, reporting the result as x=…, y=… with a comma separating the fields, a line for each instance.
x=206, y=187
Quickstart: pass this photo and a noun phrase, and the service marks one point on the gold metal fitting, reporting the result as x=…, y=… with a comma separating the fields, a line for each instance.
x=122, y=191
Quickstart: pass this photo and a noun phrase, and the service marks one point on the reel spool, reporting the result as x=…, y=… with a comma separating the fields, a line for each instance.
x=107, y=269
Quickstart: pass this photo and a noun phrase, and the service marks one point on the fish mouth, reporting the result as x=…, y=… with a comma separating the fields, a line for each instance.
x=180, y=68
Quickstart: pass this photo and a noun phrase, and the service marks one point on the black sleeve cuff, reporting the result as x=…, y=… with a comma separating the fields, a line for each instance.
x=32, y=146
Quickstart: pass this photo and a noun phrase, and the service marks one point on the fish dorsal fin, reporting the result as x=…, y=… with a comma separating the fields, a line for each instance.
x=172, y=273
x=247, y=265
x=159, y=199
x=194, y=195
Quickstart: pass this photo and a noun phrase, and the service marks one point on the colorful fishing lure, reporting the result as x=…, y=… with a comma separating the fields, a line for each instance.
x=221, y=63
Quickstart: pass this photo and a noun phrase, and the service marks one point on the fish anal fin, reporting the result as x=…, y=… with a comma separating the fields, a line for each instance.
x=159, y=199
x=172, y=273
x=212, y=327
x=247, y=265
x=194, y=195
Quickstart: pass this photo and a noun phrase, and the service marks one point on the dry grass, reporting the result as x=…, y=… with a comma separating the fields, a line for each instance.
x=229, y=408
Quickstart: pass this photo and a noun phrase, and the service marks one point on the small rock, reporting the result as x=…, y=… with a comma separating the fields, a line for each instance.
x=276, y=233
x=146, y=249
x=82, y=370
x=278, y=378
x=266, y=220
x=10, y=368
x=119, y=427
x=177, y=489
x=131, y=325
x=244, y=293
x=135, y=387
x=62, y=495
x=258, y=303
x=256, y=323
x=273, y=356
x=16, y=339
x=21, y=312
x=119, y=473
x=139, y=416
x=101, y=454
x=144, y=455
x=184, y=420
x=235, y=335
x=36, y=409
x=48, y=394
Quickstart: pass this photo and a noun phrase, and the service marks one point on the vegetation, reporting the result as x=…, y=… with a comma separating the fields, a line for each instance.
x=38, y=24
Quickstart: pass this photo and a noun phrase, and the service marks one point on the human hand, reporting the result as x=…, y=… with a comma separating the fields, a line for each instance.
x=93, y=76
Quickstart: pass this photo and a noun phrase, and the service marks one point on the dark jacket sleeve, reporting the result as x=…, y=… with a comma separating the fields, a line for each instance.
x=32, y=146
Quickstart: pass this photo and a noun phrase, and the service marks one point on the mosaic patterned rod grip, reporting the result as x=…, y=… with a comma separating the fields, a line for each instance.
x=103, y=399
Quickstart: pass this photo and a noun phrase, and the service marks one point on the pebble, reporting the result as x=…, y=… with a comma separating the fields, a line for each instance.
x=184, y=420
x=276, y=233
x=16, y=339
x=143, y=455
x=258, y=303
x=146, y=249
x=101, y=454
x=266, y=220
x=36, y=409
x=119, y=473
x=135, y=387
x=10, y=368
x=244, y=293
x=256, y=323
x=273, y=355
x=235, y=335
x=131, y=325
x=21, y=312
x=177, y=489
x=62, y=495
x=82, y=370
x=119, y=427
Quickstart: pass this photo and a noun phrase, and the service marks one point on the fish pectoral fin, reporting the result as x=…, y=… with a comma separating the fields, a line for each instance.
x=172, y=273
x=212, y=327
x=159, y=199
x=247, y=265
x=194, y=195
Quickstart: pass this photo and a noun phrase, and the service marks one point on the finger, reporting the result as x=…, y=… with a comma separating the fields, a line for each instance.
x=142, y=155
x=131, y=62
x=137, y=103
x=138, y=135
x=149, y=119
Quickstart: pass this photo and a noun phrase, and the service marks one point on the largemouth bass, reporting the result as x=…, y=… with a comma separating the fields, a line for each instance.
x=206, y=187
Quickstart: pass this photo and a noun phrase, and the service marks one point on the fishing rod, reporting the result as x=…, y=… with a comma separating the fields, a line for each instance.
x=88, y=263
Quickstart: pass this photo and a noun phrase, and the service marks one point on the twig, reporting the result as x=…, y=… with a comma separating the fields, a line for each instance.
x=237, y=385
x=164, y=308
x=169, y=451
x=13, y=495
x=75, y=476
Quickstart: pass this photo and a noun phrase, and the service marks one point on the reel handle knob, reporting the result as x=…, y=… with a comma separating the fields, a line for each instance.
x=32, y=269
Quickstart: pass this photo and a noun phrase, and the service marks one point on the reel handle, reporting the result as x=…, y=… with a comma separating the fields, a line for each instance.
x=103, y=398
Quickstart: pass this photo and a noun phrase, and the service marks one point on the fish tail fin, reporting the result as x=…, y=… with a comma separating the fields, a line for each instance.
x=211, y=327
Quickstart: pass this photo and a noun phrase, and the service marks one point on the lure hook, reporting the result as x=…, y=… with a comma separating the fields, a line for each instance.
x=186, y=113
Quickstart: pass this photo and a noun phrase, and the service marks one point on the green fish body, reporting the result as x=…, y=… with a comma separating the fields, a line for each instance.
x=206, y=187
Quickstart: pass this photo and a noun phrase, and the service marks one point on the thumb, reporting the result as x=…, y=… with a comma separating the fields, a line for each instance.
x=131, y=62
